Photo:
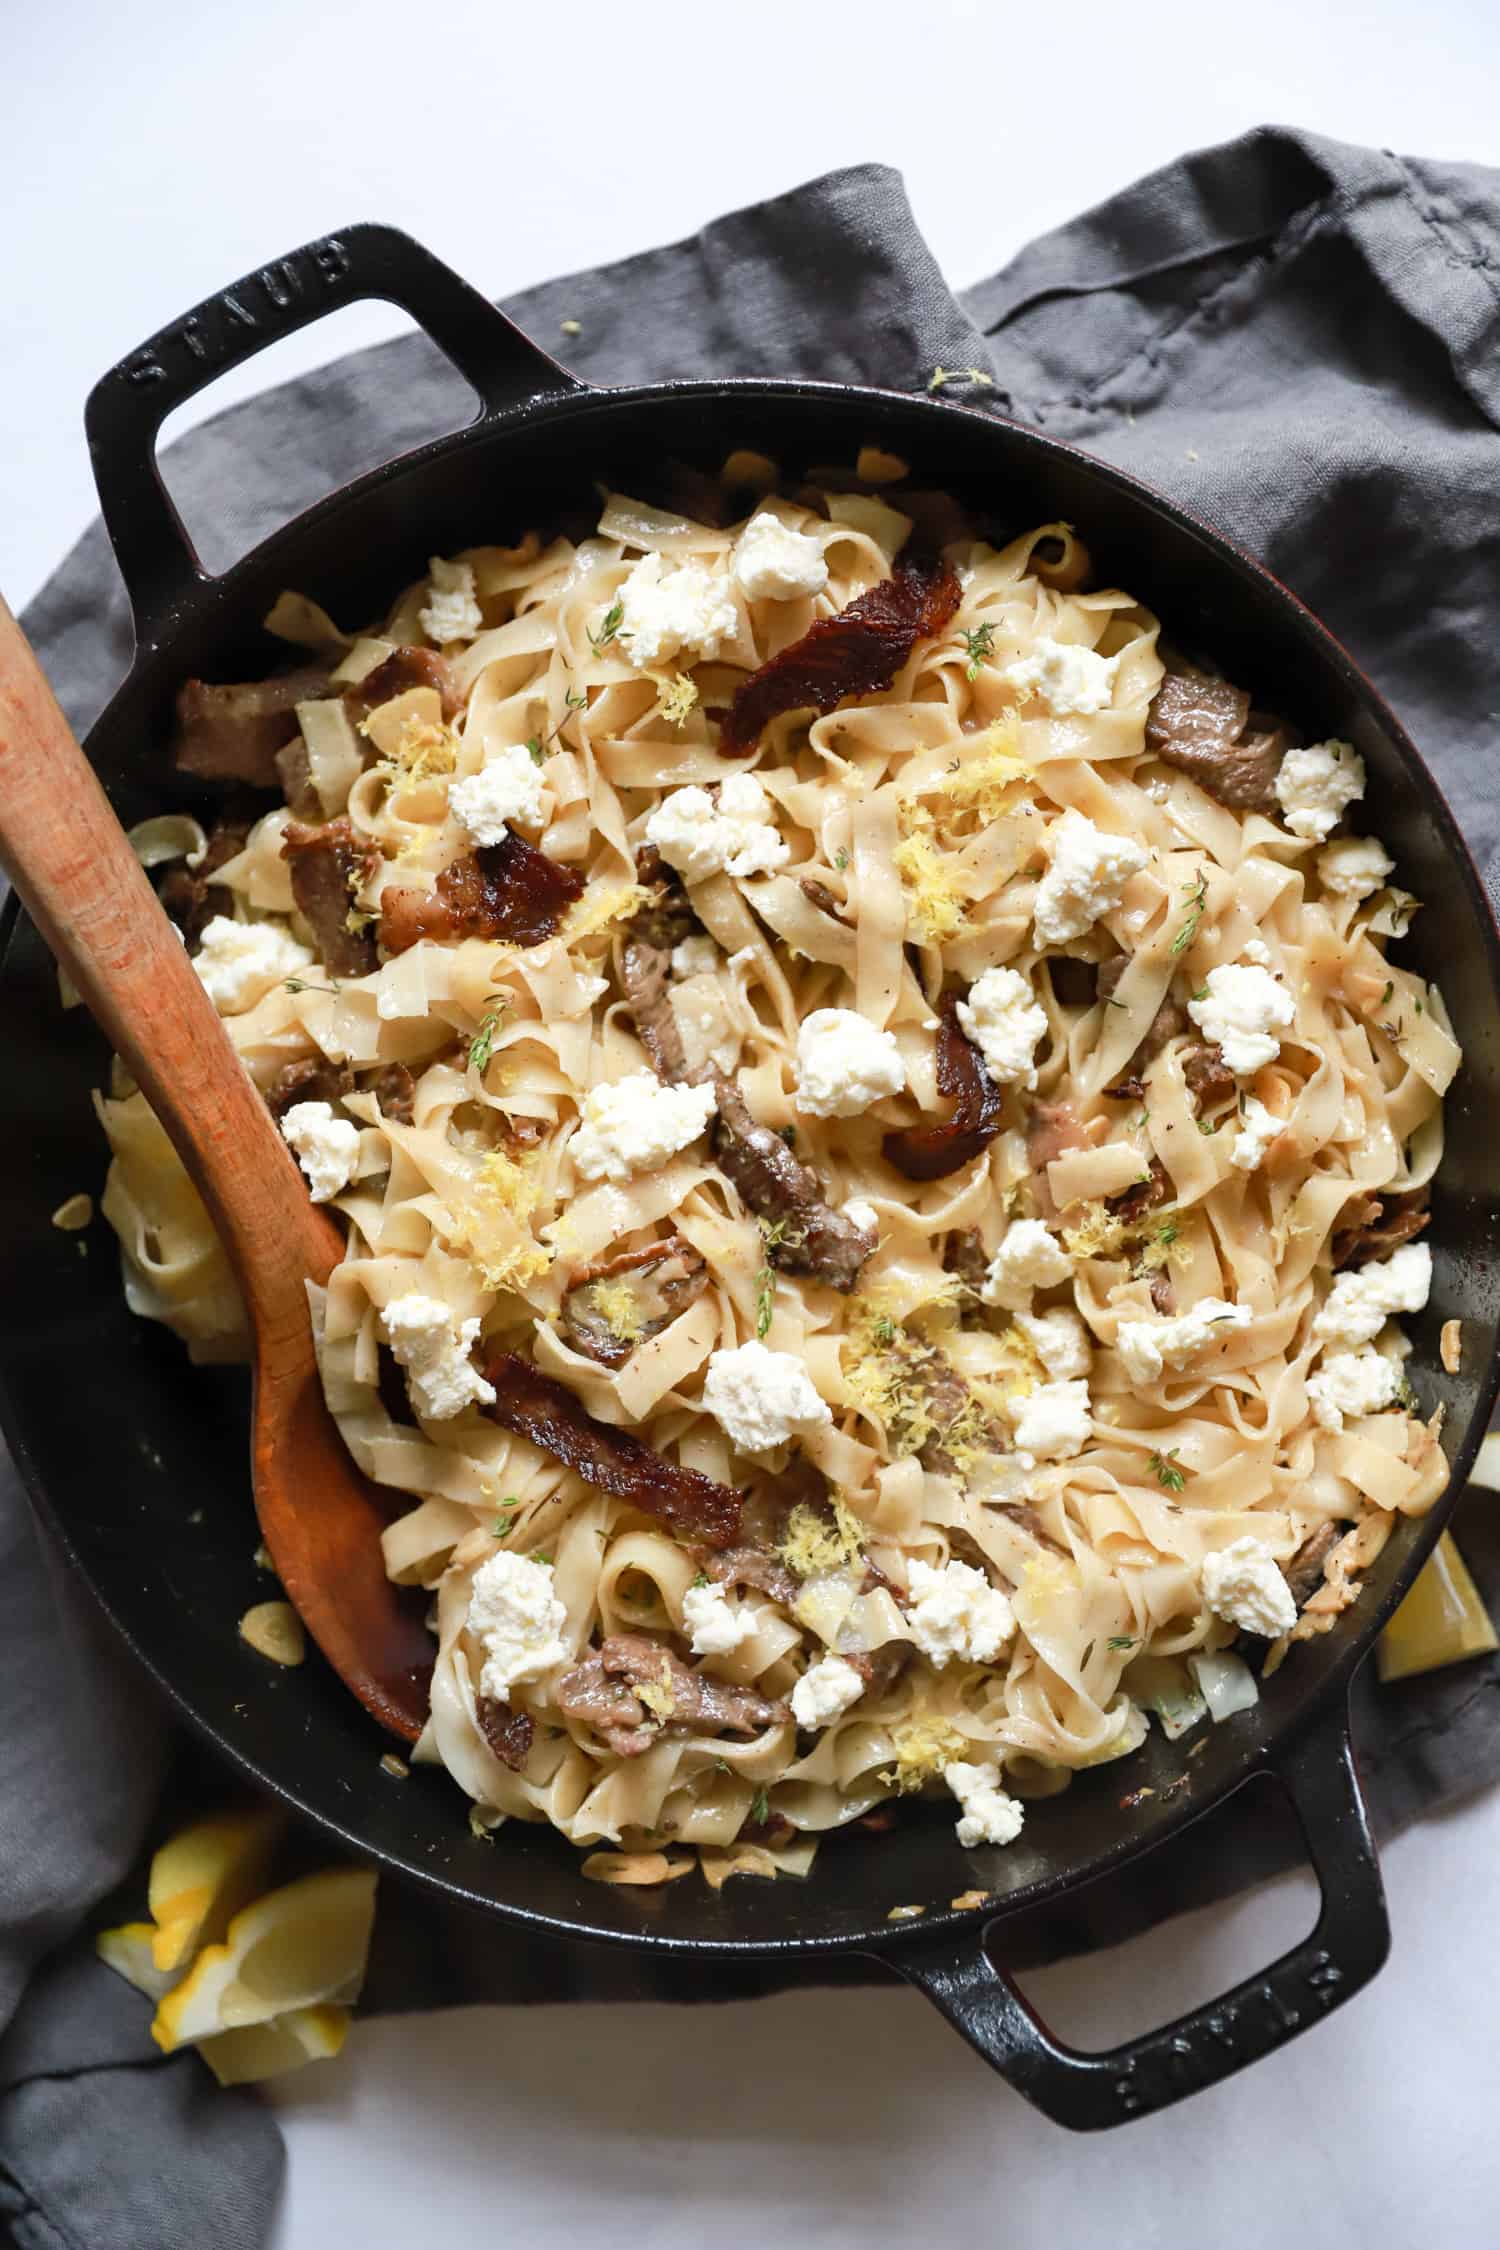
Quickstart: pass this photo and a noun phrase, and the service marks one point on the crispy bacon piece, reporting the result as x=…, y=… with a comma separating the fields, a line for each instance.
x=233, y=733
x=404, y=668
x=858, y=652
x=508, y=890
x=931, y=1152
x=508, y=1732
x=537, y=1407
x=328, y=863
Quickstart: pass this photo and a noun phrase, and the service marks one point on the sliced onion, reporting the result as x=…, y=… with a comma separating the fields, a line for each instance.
x=1160, y=1683
x=635, y=523
x=1225, y=1682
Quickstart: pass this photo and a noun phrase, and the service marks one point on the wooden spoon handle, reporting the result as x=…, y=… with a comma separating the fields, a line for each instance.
x=89, y=896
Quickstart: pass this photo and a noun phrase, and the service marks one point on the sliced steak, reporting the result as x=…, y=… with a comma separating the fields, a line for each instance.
x=395, y=1090
x=537, y=1407
x=947, y=1396
x=602, y=1693
x=233, y=733
x=1052, y=1129
x=964, y=1254
x=1198, y=724
x=1209, y=1078
x=1078, y=984
x=190, y=895
x=508, y=1733
x=403, y=669
x=507, y=891
x=750, y=1566
x=880, y=1668
x=670, y=1275
x=813, y=1238
x=646, y=979
x=328, y=863
x=1375, y=1225
x=315, y=1080
x=1147, y=1195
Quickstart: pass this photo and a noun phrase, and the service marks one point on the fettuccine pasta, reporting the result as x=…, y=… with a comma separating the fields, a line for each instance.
x=880, y=1175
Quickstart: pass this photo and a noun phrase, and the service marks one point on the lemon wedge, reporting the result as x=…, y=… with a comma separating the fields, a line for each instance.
x=269, y=2050
x=1441, y=1621
x=202, y=1876
x=128, y=1951
x=299, y=1947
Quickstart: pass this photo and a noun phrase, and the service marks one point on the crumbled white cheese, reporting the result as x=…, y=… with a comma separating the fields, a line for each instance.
x=451, y=612
x=1085, y=878
x=516, y=1617
x=507, y=787
x=1028, y=1258
x=1355, y=867
x=1256, y=949
x=239, y=962
x=1352, y=1383
x=1060, y=1341
x=1361, y=1301
x=696, y=956
x=736, y=836
x=326, y=1147
x=434, y=1349
x=989, y=1816
x=760, y=1398
x=861, y=1214
x=825, y=1692
x=666, y=610
x=634, y=1124
x=1147, y=1346
x=1242, y=1012
x=956, y=1612
x=1243, y=1584
x=1258, y=1128
x=717, y=1626
x=771, y=563
x=1052, y=1422
x=1005, y=1024
x=1314, y=786
x=1068, y=679
x=844, y=1063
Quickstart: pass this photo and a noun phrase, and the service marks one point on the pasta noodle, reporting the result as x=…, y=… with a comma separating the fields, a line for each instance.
x=1020, y=1396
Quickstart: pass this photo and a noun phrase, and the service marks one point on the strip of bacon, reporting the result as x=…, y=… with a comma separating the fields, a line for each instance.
x=537, y=1407
x=858, y=652
x=931, y=1152
x=508, y=890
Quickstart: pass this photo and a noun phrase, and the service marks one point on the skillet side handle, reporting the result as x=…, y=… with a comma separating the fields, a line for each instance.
x=1089, y=2091
x=127, y=407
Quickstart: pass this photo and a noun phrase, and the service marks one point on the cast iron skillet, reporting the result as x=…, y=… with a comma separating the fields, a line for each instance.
x=139, y=1464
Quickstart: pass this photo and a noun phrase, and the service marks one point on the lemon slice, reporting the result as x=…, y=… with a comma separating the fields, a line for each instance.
x=269, y=2050
x=203, y=1875
x=127, y=1951
x=299, y=1947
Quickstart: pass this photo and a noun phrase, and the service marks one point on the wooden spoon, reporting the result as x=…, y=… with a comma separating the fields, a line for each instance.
x=89, y=896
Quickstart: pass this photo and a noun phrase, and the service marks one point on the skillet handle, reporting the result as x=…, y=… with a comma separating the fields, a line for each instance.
x=1087, y=2091
x=127, y=407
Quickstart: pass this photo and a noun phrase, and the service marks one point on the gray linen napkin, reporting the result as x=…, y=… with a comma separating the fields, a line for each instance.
x=1289, y=334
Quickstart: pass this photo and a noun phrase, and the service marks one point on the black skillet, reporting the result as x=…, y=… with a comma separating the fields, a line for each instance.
x=139, y=1462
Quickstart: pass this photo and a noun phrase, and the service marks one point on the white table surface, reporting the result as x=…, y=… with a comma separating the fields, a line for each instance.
x=151, y=154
